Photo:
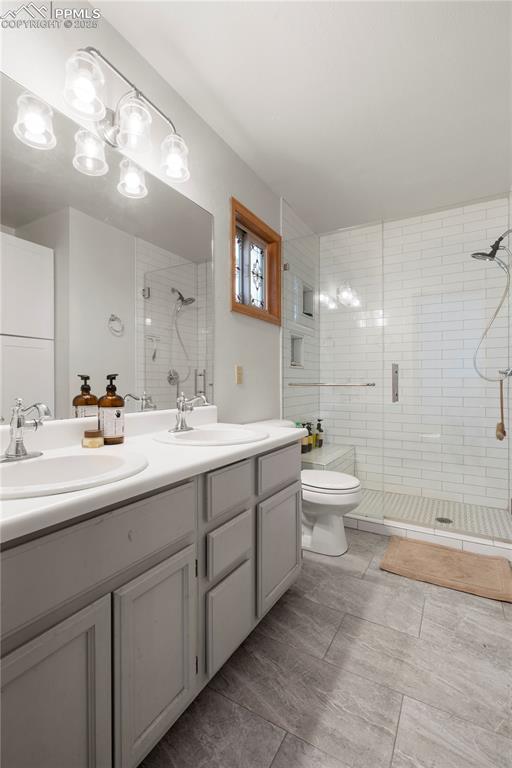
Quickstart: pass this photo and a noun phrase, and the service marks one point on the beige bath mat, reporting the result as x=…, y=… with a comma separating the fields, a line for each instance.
x=483, y=575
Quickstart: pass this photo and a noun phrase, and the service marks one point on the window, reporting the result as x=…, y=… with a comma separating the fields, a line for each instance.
x=256, y=266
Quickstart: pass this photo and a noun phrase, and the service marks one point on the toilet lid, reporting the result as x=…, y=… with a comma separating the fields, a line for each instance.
x=325, y=480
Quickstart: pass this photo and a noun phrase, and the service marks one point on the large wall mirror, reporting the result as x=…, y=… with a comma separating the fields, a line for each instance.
x=94, y=282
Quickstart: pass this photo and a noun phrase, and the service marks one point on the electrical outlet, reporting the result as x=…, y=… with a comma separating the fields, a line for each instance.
x=239, y=374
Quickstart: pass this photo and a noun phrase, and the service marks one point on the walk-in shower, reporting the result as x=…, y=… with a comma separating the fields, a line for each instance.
x=429, y=456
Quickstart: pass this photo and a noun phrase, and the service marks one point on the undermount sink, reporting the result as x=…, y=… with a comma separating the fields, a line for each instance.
x=213, y=435
x=46, y=475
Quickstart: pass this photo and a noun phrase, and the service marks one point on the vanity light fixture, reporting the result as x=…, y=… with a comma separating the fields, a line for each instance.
x=34, y=126
x=84, y=84
x=127, y=126
x=89, y=154
x=134, y=124
x=175, y=158
x=132, y=182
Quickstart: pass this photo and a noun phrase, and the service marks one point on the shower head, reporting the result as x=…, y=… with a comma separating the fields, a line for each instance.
x=491, y=255
x=481, y=256
x=183, y=302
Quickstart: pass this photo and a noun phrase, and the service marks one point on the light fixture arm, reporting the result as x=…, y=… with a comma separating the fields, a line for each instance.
x=95, y=52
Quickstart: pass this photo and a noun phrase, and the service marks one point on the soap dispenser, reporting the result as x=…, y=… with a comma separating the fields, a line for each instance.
x=85, y=404
x=111, y=413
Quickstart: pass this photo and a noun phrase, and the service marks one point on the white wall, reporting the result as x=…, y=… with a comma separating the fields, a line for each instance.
x=102, y=267
x=424, y=305
x=35, y=58
x=94, y=278
x=301, y=251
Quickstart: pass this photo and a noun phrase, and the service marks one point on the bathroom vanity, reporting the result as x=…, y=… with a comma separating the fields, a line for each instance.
x=113, y=621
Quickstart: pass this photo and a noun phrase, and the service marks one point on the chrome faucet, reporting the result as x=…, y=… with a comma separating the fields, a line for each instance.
x=145, y=400
x=16, y=450
x=183, y=405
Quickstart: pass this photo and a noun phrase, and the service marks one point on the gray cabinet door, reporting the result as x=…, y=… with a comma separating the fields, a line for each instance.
x=154, y=655
x=229, y=615
x=279, y=545
x=56, y=695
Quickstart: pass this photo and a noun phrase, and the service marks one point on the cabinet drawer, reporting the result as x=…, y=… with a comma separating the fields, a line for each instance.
x=228, y=488
x=228, y=543
x=278, y=468
x=44, y=574
x=229, y=615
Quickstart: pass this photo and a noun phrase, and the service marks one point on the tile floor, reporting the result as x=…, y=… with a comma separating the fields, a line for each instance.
x=358, y=668
x=485, y=522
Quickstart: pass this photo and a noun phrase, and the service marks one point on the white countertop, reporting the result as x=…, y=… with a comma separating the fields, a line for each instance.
x=167, y=464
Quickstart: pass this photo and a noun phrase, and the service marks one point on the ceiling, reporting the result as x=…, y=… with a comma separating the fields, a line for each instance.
x=351, y=110
x=34, y=184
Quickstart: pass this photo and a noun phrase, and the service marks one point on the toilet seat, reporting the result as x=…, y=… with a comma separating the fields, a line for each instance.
x=324, y=481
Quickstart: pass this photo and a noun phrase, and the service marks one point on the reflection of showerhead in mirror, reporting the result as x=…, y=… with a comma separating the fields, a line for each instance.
x=181, y=300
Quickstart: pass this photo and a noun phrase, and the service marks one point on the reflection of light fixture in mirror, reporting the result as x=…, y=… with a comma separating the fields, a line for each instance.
x=89, y=154
x=34, y=122
x=134, y=123
x=84, y=82
x=132, y=182
x=175, y=158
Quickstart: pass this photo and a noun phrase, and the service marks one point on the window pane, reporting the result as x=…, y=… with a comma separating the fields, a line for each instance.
x=239, y=244
x=257, y=283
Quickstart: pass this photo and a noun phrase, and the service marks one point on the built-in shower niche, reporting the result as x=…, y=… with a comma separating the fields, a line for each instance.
x=175, y=323
x=308, y=301
x=296, y=351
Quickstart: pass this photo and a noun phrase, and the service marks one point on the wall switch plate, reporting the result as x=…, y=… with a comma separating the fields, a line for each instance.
x=239, y=374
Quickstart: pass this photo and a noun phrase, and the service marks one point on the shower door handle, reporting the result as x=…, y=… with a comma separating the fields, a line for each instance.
x=394, y=383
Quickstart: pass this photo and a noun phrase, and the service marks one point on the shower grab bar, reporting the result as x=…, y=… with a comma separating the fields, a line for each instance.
x=328, y=384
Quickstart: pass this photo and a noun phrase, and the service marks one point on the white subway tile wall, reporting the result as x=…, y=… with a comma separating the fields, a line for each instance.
x=424, y=305
x=157, y=344
x=301, y=251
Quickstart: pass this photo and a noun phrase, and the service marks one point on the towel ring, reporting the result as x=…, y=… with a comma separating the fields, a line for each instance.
x=115, y=325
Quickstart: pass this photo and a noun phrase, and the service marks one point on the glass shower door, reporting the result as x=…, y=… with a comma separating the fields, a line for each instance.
x=443, y=468
x=351, y=354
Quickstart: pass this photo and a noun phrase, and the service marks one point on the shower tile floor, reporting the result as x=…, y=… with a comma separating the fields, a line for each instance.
x=357, y=668
x=485, y=522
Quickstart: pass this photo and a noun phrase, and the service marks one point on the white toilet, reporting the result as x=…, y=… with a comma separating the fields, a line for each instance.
x=326, y=497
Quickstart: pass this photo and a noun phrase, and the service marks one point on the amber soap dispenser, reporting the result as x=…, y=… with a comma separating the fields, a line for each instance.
x=85, y=404
x=111, y=413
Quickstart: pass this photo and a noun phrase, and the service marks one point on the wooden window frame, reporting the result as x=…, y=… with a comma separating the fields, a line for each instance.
x=272, y=240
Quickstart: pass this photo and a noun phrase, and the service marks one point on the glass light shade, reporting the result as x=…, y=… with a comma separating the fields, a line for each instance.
x=84, y=83
x=134, y=124
x=34, y=125
x=175, y=158
x=132, y=182
x=89, y=154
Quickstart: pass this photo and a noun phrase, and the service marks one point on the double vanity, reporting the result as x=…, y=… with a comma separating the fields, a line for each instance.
x=121, y=600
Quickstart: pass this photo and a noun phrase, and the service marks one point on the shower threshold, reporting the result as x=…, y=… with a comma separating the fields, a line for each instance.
x=470, y=519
